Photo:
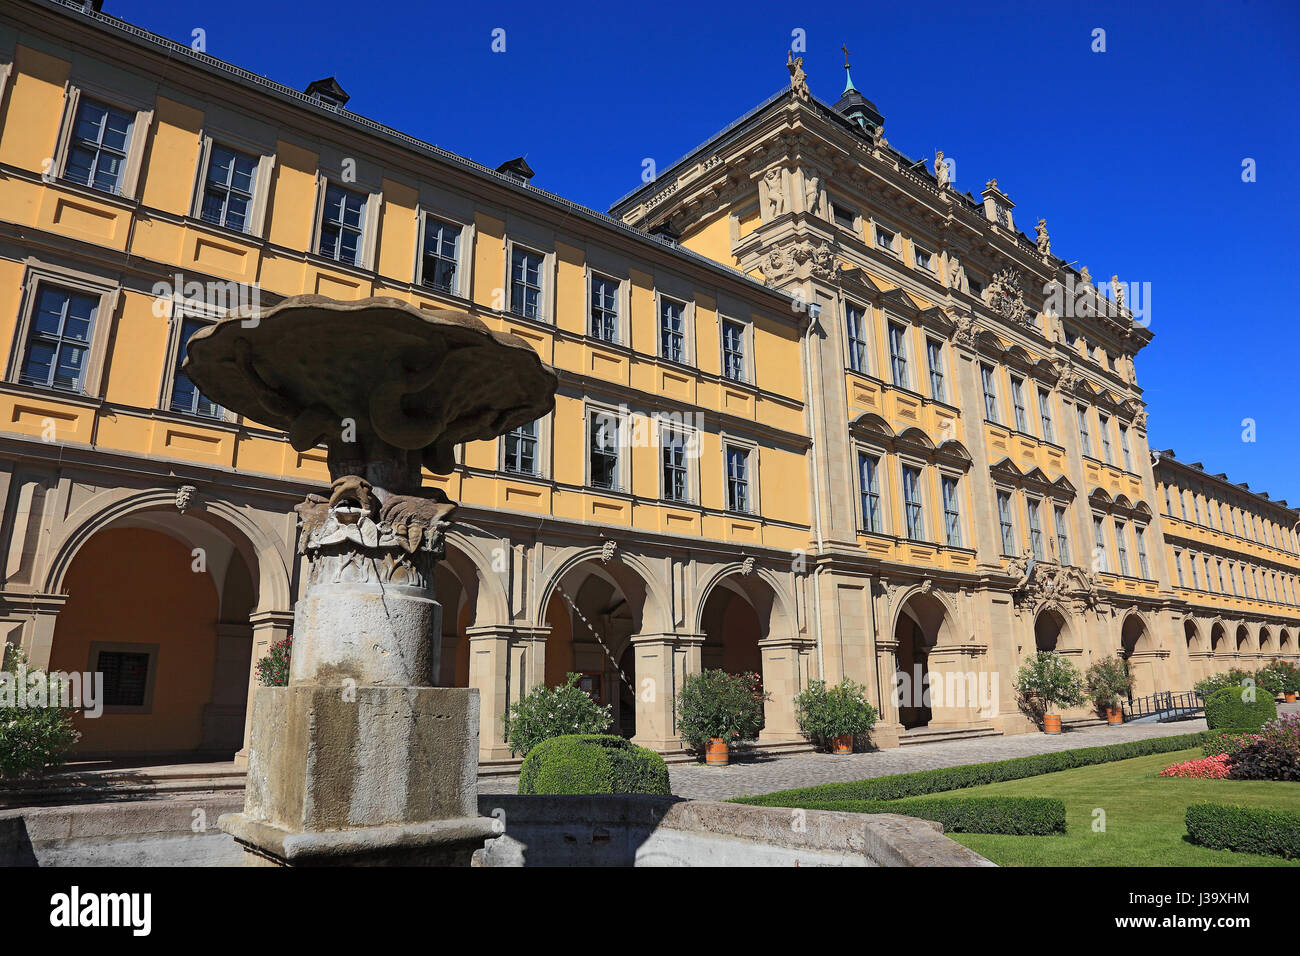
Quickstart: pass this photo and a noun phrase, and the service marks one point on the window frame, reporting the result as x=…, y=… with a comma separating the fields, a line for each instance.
x=460, y=286
x=142, y=122
x=953, y=533
x=906, y=466
x=621, y=463
x=989, y=388
x=544, y=282
x=875, y=457
x=367, y=240
x=751, y=475
x=182, y=311
x=745, y=375
x=1034, y=517
x=687, y=356
x=107, y=293
x=1046, y=419
x=690, y=453
x=1019, y=411
x=1006, y=520
x=98, y=648
x=1061, y=525
x=896, y=335
x=539, y=439
x=935, y=366
x=595, y=276
x=861, y=366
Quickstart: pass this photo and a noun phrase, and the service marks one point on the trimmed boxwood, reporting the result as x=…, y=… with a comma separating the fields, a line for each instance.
x=1245, y=829
x=1014, y=816
x=924, y=782
x=592, y=763
x=1227, y=708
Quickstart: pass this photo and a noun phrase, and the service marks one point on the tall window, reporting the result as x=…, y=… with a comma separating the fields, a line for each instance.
x=1121, y=546
x=58, y=345
x=441, y=255
x=738, y=479
x=1004, y=523
x=1178, y=566
x=869, y=484
x=898, y=354
x=912, y=496
x=186, y=397
x=951, y=510
x=1140, y=534
x=1085, y=439
x=1103, y=423
x=604, y=449
x=1045, y=414
x=733, y=350
x=1018, y=403
x=1191, y=563
x=1218, y=570
x=1099, y=542
x=675, y=478
x=934, y=356
x=1124, y=449
x=526, y=283
x=672, y=330
x=855, y=324
x=990, y=393
x=521, y=449
x=1062, y=535
x=97, y=153
x=1035, y=528
x=228, y=190
x=604, y=309
x=342, y=225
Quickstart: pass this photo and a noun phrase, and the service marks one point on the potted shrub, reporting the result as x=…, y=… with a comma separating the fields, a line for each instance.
x=273, y=669
x=1280, y=678
x=832, y=717
x=1109, y=683
x=546, y=712
x=33, y=739
x=716, y=710
x=1047, y=681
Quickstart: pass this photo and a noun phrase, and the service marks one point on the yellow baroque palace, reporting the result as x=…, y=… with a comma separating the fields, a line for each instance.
x=820, y=414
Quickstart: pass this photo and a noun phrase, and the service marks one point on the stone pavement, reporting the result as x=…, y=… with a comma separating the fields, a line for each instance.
x=767, y=774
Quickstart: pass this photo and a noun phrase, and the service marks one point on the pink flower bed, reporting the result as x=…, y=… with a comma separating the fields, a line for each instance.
x=1203, y=768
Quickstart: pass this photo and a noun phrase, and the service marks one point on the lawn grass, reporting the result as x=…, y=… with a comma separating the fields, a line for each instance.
x=1144, y=816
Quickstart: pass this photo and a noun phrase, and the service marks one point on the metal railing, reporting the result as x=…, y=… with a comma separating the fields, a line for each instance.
x=1165, y=706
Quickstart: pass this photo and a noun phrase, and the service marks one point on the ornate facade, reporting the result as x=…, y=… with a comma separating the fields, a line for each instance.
x=818, y=412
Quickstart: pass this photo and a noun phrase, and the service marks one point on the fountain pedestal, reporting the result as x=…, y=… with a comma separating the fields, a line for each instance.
x=360, y=760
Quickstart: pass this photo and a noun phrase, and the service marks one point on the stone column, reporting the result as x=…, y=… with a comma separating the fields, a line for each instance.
x=269, y=627
x=505, y=662
x=662, y=663
x=38, y=634
x=888, y=728
x=224, y=718
x=786, y=663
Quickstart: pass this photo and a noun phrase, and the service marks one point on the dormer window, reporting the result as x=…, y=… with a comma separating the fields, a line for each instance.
x=327, y=92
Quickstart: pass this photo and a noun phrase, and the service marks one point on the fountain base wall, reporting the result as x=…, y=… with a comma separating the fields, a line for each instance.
x=354, y=775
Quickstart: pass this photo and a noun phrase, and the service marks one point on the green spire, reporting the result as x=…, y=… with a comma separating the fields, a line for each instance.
x=848, y=77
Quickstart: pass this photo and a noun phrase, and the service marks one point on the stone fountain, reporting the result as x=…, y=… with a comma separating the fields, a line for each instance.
x=360, y=760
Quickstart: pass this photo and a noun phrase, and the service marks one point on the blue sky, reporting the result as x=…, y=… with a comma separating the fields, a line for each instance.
x=1133, y=155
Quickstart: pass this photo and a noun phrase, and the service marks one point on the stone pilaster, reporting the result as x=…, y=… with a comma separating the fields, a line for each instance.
x=662, y=663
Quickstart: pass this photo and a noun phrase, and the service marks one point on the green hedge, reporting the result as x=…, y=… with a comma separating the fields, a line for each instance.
x=592, y=763
x=1015, y=816
x=1244, y=829
x=1226, y=708
x=973, y=775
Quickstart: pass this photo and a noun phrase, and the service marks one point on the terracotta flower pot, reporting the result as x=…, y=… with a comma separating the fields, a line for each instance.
x=717, y=753
x=1114, y=716
x=843, y=744
x=1290, y=696
x=1051, y=723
